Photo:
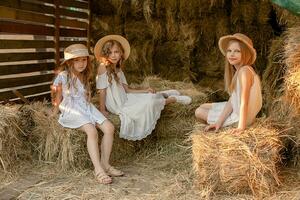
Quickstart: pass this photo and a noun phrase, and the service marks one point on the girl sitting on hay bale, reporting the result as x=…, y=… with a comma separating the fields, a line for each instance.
x=138, y=109
x=72, y=98
x=241, y=82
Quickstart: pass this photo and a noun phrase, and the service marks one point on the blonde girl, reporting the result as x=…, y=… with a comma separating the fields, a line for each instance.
x=138, y=110
x=72, y=99
x=241, y=82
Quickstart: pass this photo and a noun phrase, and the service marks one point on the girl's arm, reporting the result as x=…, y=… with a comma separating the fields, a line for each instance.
x=130, y=90
x=225, y=113
x=57, y=91
x=102, y=99
x=246, y=79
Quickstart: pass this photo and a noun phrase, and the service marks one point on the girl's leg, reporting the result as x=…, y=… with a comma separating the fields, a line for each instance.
x=170, y=100
x=93, y=149
x=201, y=112
x=107, y=141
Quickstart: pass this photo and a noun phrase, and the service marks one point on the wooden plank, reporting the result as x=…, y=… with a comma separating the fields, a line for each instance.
x=89, y=26
x=67, y=43
x=27, y=6
x=21, y=28
x=71, y=13
x=18, y=94
x=10, y=57
x=23, y=44
x=20, y=81
x=17, y=69
x=57, y=31
x=13, y=14
x=72, y=32
x=25, y=91
x=76, y=4
x=73, y=23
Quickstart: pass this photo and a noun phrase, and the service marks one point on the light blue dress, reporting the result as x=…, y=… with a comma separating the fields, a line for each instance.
x=138, y=112
x=75, y=109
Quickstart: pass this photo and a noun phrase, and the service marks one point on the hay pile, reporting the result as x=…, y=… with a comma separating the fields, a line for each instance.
x=13, y=147
x=238, y=163
x=177, y=40
x=67, y=147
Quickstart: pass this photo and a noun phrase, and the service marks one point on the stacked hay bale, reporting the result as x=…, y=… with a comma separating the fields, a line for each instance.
x=178, y=39
x=238, y=163
x=13, y=146
x=67, y=147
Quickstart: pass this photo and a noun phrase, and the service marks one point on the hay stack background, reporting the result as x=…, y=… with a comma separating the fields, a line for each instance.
x=178, y=39
x=238, y=163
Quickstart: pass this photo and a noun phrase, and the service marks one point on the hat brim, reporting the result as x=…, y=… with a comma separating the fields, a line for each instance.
x=125, y=44
x=91, y=57
x=223, y=44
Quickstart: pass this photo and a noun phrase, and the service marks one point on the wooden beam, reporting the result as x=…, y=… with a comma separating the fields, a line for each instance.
x=20, y=81
x=72, y=32
x=24, y=44
x=26, y=68
x=27, y=6
x=10, y=57
x=18, y=94
x=21, y=28
x=57, y=31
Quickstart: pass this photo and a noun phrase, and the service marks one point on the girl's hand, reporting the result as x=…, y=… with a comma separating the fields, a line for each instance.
x=215, y=127
x=105, y=113
x=237, y=131
x=151, y=90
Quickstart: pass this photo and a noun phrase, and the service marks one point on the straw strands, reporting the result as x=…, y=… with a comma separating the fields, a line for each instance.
x=238, y=163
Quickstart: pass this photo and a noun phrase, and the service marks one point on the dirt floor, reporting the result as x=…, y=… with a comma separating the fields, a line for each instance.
x=163, y=171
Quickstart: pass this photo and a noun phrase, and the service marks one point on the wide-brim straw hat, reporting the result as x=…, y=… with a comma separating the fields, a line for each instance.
x=123, y=41
x=75, y=51
x=223, y=44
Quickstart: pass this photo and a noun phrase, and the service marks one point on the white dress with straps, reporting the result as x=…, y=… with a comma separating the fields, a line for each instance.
x=138, y=112
x=75, y=109
x=255, y=103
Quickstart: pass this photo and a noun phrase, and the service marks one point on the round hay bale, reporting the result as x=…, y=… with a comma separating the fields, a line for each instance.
x=284, y=17
x=238, y=163
x=264, y=9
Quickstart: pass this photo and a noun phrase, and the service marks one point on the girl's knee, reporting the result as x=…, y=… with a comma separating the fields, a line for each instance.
x=198, y=112
x=107, y=127
x=92, y=133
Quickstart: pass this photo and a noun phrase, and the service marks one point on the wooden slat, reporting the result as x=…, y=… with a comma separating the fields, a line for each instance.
x=13, y=14
x=10, y=57
x=72, y=32
x=27, y=6
x=15, y=82
x=20, y=28
x=72, y=3
x=25, y=91
x=71, y=13
x=73, y=23
x=23, y=44
x=17, y=69
x=67, y=43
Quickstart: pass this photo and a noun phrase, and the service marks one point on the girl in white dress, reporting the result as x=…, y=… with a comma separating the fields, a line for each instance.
x=241, y=82
x=138, y=110
x=72, y=98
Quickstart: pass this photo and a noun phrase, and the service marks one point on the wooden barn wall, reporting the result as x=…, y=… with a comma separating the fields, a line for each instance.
x=33, y=34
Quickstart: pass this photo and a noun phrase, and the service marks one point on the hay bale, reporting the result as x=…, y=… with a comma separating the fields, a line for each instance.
x=292, y=60
x=12, y=139
x=238, y=163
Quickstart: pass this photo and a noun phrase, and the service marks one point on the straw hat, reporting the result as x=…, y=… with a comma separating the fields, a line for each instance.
x=75, y=51
x=223, y=44
x=119, y=38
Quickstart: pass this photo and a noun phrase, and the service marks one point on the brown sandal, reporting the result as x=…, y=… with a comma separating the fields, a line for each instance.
x=103, y=178
x=114, y=172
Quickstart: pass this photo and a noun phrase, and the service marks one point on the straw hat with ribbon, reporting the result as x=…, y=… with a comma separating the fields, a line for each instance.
x=75, y=51
x=223, y=44
x=123, y=41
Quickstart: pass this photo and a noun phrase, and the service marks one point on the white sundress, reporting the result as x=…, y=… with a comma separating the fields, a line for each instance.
x=138, y=112
x=75, y=109
x=255, y=104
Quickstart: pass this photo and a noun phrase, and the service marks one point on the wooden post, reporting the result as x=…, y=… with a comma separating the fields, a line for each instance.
x=57, y=32
x=89, y=26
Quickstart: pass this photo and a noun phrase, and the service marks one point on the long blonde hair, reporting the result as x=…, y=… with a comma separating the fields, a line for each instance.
x=85, y=76
x=111, y=68
x=229, y=71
